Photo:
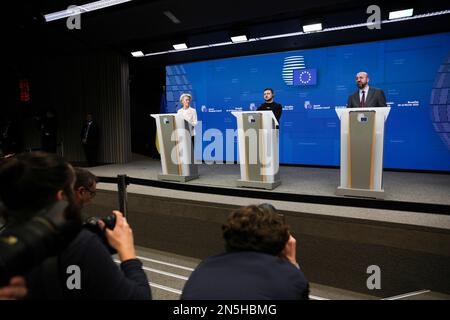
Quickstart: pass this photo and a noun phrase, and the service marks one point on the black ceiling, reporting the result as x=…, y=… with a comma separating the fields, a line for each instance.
x=142, y=25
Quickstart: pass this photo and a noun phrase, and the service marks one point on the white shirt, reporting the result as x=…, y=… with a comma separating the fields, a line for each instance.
x=366, y=92
x=87, y=130
x=190, y=115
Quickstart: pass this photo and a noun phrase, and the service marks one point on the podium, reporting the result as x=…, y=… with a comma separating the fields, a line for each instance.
x=176, y=149
x=258, y=137
x=362, y=144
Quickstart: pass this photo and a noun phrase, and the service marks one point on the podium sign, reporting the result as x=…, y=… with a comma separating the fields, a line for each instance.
x=258, y=137
x=176, y=149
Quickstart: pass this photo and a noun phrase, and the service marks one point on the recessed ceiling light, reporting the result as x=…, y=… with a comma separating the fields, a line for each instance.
x=401, y=14
x=137, y=54
x=180, y=46
x=312, y=27
x=240, y=38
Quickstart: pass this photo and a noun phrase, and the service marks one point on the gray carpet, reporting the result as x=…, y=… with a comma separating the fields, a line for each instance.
x=400, y=186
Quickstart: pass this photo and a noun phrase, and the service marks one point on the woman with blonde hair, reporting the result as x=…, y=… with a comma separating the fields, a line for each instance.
x=188, y=113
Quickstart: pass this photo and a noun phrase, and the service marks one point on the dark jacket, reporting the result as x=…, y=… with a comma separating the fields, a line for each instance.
x=10, y=138
x=246, y=275
x=92, y=134
x=374, y=98
x=276, y=108
x=100, y=276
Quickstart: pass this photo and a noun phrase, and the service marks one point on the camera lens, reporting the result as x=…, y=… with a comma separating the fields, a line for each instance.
x=110, y=221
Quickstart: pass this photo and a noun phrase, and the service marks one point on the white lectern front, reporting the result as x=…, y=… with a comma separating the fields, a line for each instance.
x=362, y=144
x=176, y=149
x=258, y=136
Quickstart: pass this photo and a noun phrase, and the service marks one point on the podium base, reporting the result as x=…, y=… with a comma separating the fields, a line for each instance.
x=174, y=177
x=352, y=192
x=258, y=184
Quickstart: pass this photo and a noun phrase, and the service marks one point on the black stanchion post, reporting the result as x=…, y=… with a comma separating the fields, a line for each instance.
x=122, y=182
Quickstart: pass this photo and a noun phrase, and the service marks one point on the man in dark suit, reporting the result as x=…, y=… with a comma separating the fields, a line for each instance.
x=270, y=105
x=366, y=97
x=10, y=137
x=49, y=131
x=259, y=263
x=89, y=139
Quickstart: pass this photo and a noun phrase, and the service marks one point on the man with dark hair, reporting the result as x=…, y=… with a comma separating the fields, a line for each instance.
x=259, y=263
x=270, y=105
x=366, y=97
x=31, y=182
x=49, y=131
x=85, y=186
x=89, y=140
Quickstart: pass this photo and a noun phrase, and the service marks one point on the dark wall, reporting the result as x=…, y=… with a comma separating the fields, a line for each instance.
x=146, y=89
x=72, y=85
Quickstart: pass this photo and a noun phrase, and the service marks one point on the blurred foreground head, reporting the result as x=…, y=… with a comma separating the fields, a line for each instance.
x=30, y=182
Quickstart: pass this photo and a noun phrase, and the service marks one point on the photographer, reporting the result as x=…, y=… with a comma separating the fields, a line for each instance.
x=259, y=262
x=33, y=181
x=85, y=186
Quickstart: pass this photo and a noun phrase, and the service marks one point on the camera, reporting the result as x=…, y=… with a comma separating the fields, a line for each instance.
x=27, y=245
x=91, y=223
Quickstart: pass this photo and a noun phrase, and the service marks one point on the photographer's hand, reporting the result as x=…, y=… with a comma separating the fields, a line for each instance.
x=289, y=251
x=16, y=289
x=121, y=238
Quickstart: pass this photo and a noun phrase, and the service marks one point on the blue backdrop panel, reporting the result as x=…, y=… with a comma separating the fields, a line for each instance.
x=413, y=72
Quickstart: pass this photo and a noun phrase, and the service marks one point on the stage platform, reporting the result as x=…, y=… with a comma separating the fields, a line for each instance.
x=399, y=186
x=407, y=234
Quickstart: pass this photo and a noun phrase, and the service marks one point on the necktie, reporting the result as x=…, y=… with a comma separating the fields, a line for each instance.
x=363, y=99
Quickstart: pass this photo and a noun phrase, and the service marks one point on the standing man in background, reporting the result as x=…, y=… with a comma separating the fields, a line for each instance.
x=89, y=139
x=49, y=131
x=270, y=105
x=366, y=97
x=10, y=140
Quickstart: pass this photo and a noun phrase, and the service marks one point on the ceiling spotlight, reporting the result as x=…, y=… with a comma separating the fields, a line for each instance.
x=400, y=14
x=137, y=54
x=180, y=46
x=312, y=27
x=240, y=38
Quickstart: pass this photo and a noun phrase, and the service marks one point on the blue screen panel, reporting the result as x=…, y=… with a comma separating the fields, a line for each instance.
x=413, y=72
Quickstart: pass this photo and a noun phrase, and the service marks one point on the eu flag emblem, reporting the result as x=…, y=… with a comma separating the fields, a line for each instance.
x=305, y=77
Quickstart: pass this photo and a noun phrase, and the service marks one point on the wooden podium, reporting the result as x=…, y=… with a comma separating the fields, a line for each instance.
x=175, y=144
x=362, y=144
x=258, y=136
